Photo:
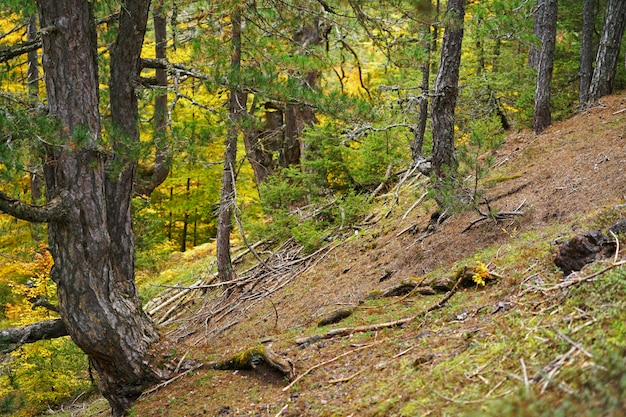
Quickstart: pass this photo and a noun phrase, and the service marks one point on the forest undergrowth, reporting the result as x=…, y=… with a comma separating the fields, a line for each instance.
x=408, y=312
x=519, y=339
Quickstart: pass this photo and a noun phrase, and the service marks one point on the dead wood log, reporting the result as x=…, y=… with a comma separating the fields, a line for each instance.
x=335, y=316
x=346, y=331
x=253, y=357
x=14, y=337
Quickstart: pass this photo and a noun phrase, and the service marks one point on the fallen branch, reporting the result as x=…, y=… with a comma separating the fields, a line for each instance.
x=497, y=217
x=314, y=367
x=419, y=200
x=574, y=281
x=349, y=377
x=346, y=331
x=251, y=358
x=247, y=359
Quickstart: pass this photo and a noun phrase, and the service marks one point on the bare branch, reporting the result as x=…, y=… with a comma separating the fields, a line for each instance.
x=52, y=211
x=11, y=52
x=14, y=337
x=170, y=67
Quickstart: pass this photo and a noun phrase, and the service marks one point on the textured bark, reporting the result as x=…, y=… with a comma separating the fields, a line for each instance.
x=54, y=210
x=542, y=115
x=446, y=89
x=418, y=140
x=14, y=337
x=258, y=153
x=608, y=51
x=236, y=108
x=290, y=149
x=538, y=23
x=297, y=115
x=148, y=180
x=586, y=50
x=93, y=245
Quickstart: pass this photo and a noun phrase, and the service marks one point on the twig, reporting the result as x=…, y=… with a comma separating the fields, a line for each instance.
x=282, y=410
x=526, y=383
x=571, y=342
x=345, y=331
x=419, y=200
x=348, y=378
x=311, y=369
x=169, y=381
x=404, y=352
x=616, y=257
x=383, y=182
x=590, y=277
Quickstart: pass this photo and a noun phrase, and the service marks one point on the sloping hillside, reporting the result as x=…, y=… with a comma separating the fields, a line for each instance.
x=528, y=343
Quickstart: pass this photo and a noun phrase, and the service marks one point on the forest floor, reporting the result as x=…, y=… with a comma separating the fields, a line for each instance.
x=528, y=343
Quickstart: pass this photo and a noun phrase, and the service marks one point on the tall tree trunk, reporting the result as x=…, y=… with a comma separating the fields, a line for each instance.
x=259, y=143
x=92, y=244
x=608, y=51
x=36, y=176
x=538, y=24
x=149, y=179
x=298, y=116
x=418, y=140
x=446, y=89
x=586, y=50
x=542, y=116
x=236, y=109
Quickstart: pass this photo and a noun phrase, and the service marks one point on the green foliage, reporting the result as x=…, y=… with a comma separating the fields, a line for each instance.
x=42, y=374
x=463, y=188
x=285, y=197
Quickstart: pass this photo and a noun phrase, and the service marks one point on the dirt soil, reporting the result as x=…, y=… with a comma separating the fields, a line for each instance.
x=576, y=167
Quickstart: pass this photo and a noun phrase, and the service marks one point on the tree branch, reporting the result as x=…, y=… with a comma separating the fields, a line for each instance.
x=161, y=63
x=14, y=337
x=53, y=210
x=11, y=52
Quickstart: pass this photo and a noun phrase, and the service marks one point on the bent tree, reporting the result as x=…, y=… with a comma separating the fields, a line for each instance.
x=88, y=186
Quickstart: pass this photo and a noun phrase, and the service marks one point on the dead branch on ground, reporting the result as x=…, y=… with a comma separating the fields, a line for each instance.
x=311, y=369
x=346, y=331
x=496, y=217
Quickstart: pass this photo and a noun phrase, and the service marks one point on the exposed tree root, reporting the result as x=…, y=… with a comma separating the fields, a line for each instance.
x=251, y=358
x=345, y=331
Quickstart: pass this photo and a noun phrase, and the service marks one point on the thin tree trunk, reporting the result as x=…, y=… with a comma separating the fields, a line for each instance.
x=538, y=24
x=608, y=51
x=418, y=140
x=36, y=176
x=236, y=109
x=586, y=50
x=542, y=115
x=148, y=180
x=446, y=90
